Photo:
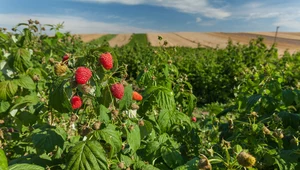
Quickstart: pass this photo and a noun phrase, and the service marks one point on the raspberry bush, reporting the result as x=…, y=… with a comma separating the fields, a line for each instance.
x=66, y=104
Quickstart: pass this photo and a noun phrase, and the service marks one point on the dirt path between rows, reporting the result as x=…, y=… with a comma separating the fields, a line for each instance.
x=120, y=40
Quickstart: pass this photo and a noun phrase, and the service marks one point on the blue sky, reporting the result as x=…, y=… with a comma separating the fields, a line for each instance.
x=125, y=16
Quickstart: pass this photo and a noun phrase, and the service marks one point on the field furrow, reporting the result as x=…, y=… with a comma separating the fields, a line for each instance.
x=120, y=40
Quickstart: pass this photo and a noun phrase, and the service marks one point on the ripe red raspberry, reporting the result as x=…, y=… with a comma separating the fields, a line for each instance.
x=117, y=90
x=106, y=60
x=194, y=119
x=65, y=57
x=76, y=102
x=82, y=75
x=136, y=96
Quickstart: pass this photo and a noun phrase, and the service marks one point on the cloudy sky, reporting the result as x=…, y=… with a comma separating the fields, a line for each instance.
x=124, y=16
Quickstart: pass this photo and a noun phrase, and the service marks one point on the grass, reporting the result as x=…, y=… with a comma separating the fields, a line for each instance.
x=103, y=39
x=140, y=39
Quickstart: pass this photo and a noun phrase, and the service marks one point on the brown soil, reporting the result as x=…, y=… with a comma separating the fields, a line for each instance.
x=120, y=40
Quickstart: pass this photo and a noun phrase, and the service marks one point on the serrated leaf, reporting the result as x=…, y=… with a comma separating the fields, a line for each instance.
x=127, y=160
x=133, y=137
x=25, y=82
x=146, y=129
x=25, y=101
x=290, y=119
x=163, y=138
x=126, y=101
x=46, y=139
x=152, y=147
x=288, y=97
x=181, y=118
x=22, y=60
x=111, y=136
x=87, y=155
x=106, y=97
x=171, y=156
x=143, y=166
x=58, y=98
x=4, y=106
x=7, y=89
x=190, y=165
x=27, y=118
x=160, y=96
x=252, y=100
x=24, y=166
x=103, y=114
x=164, y=120
x=3, y=161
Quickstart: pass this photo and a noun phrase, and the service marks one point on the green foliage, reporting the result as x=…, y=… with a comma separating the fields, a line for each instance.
x=138, y=39
x=25, y=167
x=87, y=155
x=249, y=103
x=3, y=161
x=103, y=40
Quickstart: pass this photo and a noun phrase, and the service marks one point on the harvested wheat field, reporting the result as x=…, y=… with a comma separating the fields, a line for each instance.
x=290, y=41
x=120, y=40
x=285, y=40
x=90, y=37
x=172, y=38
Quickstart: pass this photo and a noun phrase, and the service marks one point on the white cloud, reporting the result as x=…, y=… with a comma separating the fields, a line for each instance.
x=286, y=15
x=186, y=6
x=198, y=19
x=73, y=24
x=291, y=21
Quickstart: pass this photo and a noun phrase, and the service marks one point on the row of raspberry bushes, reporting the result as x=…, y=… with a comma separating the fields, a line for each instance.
x=214, y=73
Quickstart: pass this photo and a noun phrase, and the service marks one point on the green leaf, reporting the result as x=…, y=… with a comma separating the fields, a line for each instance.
x=133, y=137
x=163, y=138
x=106, y=97
x=103, y=114
x=290, y=119
x=58, y=98
x=25, y=101
x=4, y=106
x=126, y=101
x=87, y=155
x=143, y=166
x=171, y=156
x=7, y=89
x=152, y=147
x=111, y=136
x=237, y=148
x=24, y=166
x=22, y=60
x=190, y=165
x=146, y=129
x=160, y=96
x=252, y=100
x=3, y=161
x=46, y=139
x=288, y=97
x=164, y=120
x=127, y=160
x=26, y=82
x=27, y=118
x=181, y=118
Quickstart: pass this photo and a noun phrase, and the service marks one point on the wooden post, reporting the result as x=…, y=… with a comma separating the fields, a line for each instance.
x=276, y=34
